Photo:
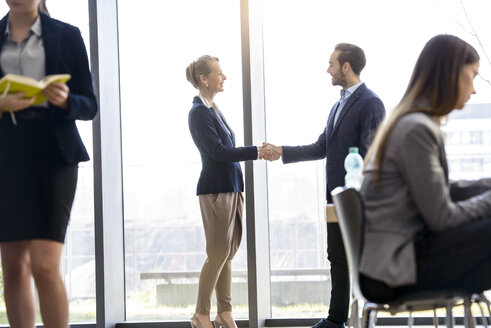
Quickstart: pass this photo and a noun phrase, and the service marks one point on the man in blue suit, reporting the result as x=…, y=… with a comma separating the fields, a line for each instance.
x=352, y=122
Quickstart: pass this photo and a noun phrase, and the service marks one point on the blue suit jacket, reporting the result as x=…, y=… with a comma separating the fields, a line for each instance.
x=65, y=54
x=356, y=127
x=220, y=171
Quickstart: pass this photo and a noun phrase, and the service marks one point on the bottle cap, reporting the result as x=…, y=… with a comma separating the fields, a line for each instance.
x=353, y=149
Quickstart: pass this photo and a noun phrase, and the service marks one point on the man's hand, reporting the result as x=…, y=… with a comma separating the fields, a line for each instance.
x=270, y=152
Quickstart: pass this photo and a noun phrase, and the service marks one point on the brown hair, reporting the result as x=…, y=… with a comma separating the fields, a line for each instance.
x=433, y=88
x=352, y=54
x=199, y=67
x=42, y=7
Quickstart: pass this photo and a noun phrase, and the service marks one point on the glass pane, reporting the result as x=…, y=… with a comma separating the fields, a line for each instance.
x=78, y=258
x=468, y=142
x=299, y=278
x=164, y=237
x=297, y=47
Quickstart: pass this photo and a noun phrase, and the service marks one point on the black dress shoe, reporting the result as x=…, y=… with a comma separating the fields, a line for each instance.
x=326, y=323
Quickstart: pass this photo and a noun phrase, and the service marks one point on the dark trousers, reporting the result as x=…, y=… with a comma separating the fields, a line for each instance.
x=457, y=258
x=340, y=280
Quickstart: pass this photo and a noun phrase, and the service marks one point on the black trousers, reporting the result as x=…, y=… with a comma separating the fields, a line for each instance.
x=340, y=280
x=457, y=258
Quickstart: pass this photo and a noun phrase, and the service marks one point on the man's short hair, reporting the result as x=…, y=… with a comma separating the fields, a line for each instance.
x=353, y=55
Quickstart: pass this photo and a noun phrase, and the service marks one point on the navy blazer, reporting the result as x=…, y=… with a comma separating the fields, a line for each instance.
x=65, y=54
x=220, y=171
x=356, y=127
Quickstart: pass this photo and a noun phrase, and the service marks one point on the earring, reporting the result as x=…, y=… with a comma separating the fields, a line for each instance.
x=207, y=85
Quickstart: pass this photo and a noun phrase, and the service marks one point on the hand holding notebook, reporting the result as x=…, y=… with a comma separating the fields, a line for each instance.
x=29, y=85
x=30, y=88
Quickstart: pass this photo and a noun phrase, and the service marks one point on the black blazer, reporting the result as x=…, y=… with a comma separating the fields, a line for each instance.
x=65, y=54
x=356, y=127
x=221, y=171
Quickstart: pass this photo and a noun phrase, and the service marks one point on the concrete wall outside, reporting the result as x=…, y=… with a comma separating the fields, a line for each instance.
x=283, y=293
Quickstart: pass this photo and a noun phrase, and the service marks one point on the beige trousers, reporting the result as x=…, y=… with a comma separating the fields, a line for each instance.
x=222, y=220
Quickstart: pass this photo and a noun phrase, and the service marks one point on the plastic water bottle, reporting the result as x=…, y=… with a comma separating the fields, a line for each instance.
x=353, y=164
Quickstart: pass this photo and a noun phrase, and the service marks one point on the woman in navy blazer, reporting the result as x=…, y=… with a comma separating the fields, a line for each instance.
x=220, y=188
x=40, y=149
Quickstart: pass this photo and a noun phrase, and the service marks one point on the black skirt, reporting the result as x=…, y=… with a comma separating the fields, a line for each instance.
x=36, y=188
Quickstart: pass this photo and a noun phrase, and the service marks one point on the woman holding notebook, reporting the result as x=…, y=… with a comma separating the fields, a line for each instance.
x=40, y=149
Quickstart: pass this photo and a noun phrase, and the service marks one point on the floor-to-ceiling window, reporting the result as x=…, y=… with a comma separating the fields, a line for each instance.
x=299, y=37
x=164, y=241
x=296, y=91
x=78, y=266
x=164, y=237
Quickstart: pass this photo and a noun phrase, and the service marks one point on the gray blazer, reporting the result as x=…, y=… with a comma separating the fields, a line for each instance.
x=413, y=196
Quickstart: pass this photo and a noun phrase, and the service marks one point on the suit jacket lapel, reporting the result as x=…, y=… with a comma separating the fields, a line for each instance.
x=52, y=46
x=330, y=121
x=349, y=103
x=3, y=27
x=232, y=135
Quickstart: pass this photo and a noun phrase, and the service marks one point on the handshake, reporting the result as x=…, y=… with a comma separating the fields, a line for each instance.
x=270, y=152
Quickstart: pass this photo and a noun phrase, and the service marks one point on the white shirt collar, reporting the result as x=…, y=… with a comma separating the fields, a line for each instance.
x=35, y=28
x=205, y=101
x=352, y=89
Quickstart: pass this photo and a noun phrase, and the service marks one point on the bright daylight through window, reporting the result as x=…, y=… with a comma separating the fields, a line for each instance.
x=164, y=237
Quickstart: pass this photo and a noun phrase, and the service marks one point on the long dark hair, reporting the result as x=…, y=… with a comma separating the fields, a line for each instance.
x=433, y=88
x=42, y=7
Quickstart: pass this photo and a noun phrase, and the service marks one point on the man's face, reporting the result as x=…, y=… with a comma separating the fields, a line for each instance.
x=336, y=71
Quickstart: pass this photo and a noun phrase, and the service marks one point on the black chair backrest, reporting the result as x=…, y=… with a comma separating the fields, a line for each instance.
x=349, y=210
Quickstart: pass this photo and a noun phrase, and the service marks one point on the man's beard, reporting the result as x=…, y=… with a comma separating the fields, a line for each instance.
x=339, y=79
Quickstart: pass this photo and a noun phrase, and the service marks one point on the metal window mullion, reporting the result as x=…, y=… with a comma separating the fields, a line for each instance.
x=257, y=225
x=108, y=191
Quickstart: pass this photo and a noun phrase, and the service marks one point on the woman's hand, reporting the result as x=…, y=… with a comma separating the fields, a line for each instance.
x=270, y=152
x=57, y=94
x=14, y=102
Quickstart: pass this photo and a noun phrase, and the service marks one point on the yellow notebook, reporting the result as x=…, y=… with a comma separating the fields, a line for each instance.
x=17, y=83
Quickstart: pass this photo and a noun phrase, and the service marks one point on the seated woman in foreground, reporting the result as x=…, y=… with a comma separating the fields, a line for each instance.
x=423, y=232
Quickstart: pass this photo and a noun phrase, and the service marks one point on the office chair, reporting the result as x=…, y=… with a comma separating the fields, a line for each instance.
x=349, y=210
